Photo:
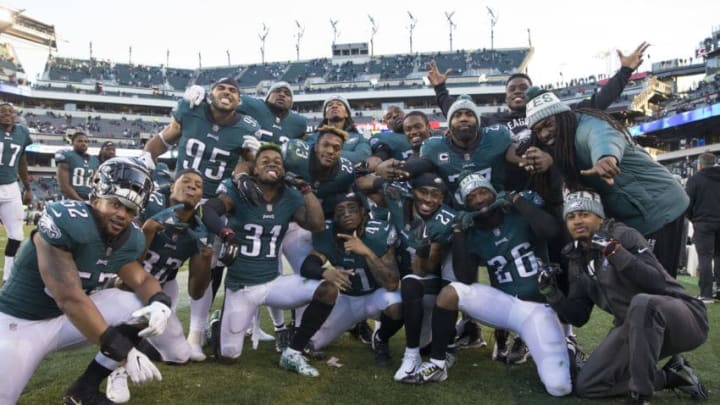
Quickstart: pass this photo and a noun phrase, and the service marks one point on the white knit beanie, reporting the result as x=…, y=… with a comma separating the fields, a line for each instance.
x=280, y=85
x=541, y=104
x=463, y=103
x=583, y=201
x=339, y=98
x=472, y=182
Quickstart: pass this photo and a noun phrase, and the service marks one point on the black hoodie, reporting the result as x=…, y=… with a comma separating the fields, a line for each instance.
x=704, y=191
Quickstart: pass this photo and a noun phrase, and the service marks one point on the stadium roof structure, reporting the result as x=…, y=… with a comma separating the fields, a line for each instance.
x=15, y=24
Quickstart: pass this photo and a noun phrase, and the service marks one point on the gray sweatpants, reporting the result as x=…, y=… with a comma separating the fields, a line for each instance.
x=656, y=326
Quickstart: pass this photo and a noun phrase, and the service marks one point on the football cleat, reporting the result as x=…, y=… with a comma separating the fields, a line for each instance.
x=409, y=365
x=500, y=349
x=362, y=332
x=381, y=350
x=79, y=394
x=427, y=372
x=681, y=377
x=296, y=362
x=470, y=336
x=518, y=353
x=117, y=386
x=282, y=338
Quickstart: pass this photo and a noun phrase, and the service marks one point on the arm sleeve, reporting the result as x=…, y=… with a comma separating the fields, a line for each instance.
x=465, y=264
x=382, y=151
x=609, y=92
x=604, y=140
x=212, y=210
x=443, y=99
x=544, y=225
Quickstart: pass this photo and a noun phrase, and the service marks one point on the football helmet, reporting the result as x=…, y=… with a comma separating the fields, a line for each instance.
x=125, y=179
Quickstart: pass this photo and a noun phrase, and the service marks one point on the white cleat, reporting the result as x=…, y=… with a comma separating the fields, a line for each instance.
x=117, y=386
x=409, y=365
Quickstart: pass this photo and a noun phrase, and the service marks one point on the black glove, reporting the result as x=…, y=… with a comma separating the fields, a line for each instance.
x=228, y=253
x=247, y=188
x=419, y=233
x=298, y=183
x=361, y=169
x=395, y=192
x=604, y=243
x=466, y=219
x=226, y=234
x=547, y=279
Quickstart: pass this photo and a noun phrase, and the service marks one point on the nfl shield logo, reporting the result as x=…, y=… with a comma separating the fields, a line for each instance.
x=496, y=232
x=215, y=128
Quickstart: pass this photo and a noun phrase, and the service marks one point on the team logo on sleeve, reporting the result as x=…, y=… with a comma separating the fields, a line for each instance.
x=48, y=227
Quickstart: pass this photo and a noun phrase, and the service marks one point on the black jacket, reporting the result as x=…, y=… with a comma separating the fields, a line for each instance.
x=612, y=282
x=704, y=191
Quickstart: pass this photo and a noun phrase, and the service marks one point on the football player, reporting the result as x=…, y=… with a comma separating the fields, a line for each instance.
x=358, y=255
x=277, y=122
x=210, y=139
x=16, y=138
x=49, y=303
x=512, y=246
x=337, y=114
x=173, y=234
x=253, y=280
x=75, y=168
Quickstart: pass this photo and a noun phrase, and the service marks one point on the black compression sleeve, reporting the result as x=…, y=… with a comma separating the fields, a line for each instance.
x=312, y=268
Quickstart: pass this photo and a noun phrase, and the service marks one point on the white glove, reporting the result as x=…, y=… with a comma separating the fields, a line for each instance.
x=140, y=369
x=157, y=315
x=251, y=142
x=146, y=159
x=194, y=95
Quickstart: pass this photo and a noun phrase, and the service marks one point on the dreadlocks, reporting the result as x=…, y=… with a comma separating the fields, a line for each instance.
x=563, y=151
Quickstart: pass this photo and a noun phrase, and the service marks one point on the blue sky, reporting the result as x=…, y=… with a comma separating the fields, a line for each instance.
x=569, y=36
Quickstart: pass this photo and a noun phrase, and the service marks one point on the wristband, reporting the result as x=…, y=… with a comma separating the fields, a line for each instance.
x=162, y=298
x=114, y=345
x=305, y=189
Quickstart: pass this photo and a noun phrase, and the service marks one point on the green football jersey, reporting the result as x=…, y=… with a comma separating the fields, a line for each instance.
x=512, y=254
x=356, y=149
x=259, y=230
x=212, y=149
x=69, y=225
x=298, y=156
x=378, y=236
x=162, y=176
x=438, y=228
x=12, y=148
x=397, y=144
x=80, y=168
x=487, y=158
x=273, y=129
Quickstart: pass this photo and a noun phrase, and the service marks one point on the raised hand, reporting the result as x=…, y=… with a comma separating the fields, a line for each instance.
x=434, y=76
x=354, y=244
x=194, y=95
x=635, y=59
x=606, y=167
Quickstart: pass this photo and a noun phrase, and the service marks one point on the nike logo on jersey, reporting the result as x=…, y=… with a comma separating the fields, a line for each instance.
x=501, y=241
x=102, y=262
x=643, y=250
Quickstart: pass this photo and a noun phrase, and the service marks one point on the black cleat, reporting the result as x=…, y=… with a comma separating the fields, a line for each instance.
x=500, y=349
x=81, y=394
x=518, y=353
x=381, y=350
x=283, y=337
x=680, y=376
x=362, y=332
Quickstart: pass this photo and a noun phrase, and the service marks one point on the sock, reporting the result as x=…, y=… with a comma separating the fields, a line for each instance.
x=388, y=327
x=94, y=374
x=442, y=326
x=200, y=312
x=315, y=315
x=412, y=294
x=216, y=274
x=412, y=351
x=278, y=317
x=439, y=363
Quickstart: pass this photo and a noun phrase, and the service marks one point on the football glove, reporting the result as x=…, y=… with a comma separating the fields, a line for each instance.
x=604, y=243
x=292, y=180
x=140, y=369
x=247, y=188
x=419, y=233
x=169, y=217
x=146, y=160
x=157, y=315
x=361, y=169
x=547, y=279
x=194, y=95
x=251, y=142
x=395, y=192
x=228, y=252
x=466, y=219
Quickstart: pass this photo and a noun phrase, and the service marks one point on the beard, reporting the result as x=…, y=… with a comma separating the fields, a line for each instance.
x=464, y=135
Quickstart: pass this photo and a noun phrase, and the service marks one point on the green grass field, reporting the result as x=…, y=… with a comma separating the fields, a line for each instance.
x=256, y=378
